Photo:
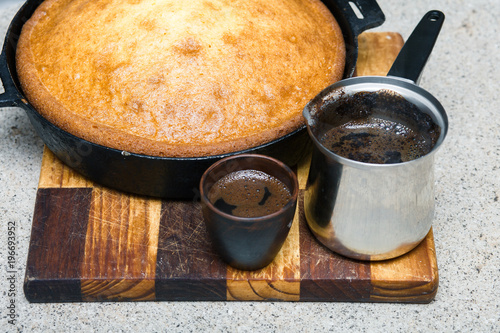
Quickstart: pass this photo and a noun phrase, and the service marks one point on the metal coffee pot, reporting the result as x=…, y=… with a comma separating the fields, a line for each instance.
x=371, y=211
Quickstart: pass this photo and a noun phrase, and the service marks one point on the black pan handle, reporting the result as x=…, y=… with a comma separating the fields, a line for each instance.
x=362, y=14
x=412, y=58
x=11, y=95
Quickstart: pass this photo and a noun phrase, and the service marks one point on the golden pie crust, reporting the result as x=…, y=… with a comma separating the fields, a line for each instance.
x=178, y=78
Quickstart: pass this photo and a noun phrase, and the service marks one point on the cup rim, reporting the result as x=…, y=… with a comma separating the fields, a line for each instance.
x=294, y=191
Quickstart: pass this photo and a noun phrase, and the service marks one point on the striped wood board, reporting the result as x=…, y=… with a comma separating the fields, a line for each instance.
x=91, y=243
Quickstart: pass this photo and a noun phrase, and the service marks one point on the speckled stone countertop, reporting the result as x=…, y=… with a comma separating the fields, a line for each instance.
x=463, y=73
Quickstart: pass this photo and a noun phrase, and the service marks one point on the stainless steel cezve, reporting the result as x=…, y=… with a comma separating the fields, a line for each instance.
x=376, y=211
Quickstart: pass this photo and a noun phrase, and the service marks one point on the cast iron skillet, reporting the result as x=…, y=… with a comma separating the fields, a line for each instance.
x=173, y=178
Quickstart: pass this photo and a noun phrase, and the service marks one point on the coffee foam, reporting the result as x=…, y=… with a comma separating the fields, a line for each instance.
x=249, y=193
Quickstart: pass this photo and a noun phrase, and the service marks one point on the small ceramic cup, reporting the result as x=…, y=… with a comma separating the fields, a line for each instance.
x=248, y=243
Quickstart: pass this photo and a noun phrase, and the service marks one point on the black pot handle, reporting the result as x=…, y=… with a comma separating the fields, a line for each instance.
x=362, y=14
x=412, y=58
x=11, y=95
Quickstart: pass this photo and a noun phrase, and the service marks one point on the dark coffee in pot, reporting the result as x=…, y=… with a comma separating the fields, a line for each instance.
x=379, y=127
x=377, y=141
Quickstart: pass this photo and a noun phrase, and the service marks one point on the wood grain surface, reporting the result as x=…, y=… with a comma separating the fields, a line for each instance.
x=91, y=243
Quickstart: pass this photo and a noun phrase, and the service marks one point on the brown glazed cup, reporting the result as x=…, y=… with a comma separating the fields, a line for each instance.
x=248, y=243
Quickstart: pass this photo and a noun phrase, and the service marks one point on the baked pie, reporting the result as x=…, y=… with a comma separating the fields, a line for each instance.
x=178, y=78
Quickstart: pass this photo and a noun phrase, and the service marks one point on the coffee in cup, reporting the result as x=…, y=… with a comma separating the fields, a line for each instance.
x=249, y=193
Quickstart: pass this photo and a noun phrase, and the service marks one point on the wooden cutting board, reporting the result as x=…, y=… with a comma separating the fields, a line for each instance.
x=91, y=243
